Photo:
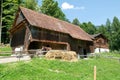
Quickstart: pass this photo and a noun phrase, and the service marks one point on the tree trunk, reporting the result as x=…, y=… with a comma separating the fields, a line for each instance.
x=0, y=20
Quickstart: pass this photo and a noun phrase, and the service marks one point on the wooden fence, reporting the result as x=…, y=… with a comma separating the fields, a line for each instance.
x=40, y=53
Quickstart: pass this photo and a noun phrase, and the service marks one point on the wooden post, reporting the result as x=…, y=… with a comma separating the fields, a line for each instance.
x=94, y=72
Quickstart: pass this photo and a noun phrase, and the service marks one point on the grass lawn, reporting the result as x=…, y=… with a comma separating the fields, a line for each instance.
x=5, y=48
x=8, y=54
x=113, y=53
x=5, y=51
x=42, y=69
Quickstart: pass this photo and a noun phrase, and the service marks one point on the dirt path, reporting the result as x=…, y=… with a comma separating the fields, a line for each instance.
x=13, y=59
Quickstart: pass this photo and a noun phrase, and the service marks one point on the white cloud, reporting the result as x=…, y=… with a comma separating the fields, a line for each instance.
x=66, y=6
x=81, y=8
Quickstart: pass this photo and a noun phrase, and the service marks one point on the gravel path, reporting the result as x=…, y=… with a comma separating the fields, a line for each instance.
x=13, y=59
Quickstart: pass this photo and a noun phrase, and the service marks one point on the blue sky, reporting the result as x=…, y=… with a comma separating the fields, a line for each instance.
x=96, y=11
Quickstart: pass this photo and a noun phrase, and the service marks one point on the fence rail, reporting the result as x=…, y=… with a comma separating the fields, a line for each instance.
x=40, y=53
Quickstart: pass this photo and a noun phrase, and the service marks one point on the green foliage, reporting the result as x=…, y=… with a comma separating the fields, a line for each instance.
x=88, y=27
x=76, y=22
x=51, y=8
x=10, y=8
x=91, y=29
x=31, y=4
x=115, y=34
x=101, y=29
x=116, y=24
x=41, y=69
x=108, y=25
x=108, y=31
x=115, y=40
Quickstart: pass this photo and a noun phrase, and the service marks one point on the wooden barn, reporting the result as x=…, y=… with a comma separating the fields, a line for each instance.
x=32, y=30
x=100, y=43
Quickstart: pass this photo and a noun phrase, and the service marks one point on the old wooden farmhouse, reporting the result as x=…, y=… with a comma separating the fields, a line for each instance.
x=32, y=30
x=100, y=43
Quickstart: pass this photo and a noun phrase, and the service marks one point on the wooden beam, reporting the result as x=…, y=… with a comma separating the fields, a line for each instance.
x=17, y=26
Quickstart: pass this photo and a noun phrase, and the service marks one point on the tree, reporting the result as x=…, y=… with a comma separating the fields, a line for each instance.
x=0, y=19
x=108, y=25
x=88, y=27
x=115, y=34
x=76, y=22
x=101, y=29
x=91, y=29
x=50, y=7
x=108, y=28
x=10, y=8
x=115, y=24
x=31, y=4
x=112, y=32
x=109, y=32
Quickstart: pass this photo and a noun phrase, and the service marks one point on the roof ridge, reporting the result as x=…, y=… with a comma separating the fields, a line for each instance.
x=51, y=23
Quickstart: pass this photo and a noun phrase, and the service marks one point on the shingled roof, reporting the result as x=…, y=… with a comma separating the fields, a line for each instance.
x=47, y=22
x=96, y=35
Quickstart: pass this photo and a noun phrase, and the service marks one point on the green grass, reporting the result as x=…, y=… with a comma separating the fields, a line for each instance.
x=42, y=69
x=5, y=51
x=5, y=48
x=113, y=54
x=8, y=54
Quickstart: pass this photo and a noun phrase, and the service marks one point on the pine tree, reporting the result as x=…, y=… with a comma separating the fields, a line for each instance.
x=0, y=19
x=101, y=29
x=76, y=22
x=109, y=32
x=108, y=26
x=91, y=29
x=31, y=4
x=10, y=8
x=115, y=24
x=51, y=8
x=88, y=27
x=115, y=34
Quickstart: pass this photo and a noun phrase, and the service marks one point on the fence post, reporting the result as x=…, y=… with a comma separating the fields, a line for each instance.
x=94, y=72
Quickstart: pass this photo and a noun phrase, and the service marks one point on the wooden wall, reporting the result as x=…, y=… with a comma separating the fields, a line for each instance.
x=101, y=42
x=75, y=44
x=43, y=34
x=18, y=37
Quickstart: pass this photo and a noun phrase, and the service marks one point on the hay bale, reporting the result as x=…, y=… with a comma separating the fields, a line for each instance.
x=63, y=55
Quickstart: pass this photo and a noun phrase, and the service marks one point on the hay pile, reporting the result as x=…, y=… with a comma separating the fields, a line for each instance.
x=63, y=55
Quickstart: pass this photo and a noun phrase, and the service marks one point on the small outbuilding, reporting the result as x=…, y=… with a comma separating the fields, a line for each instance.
x=33, y=30
x=100, y=43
